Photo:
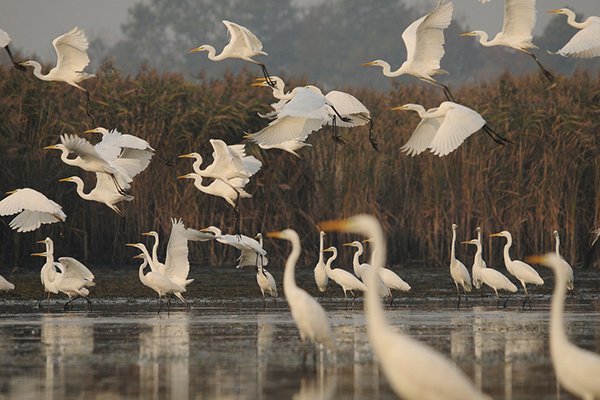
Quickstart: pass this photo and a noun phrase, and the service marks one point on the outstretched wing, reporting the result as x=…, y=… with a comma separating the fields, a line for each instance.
x=133, y=161
x=4, y=39
x=71, y=50
x=584, y=44
x=422, y=136
x=250, y=258
x=519, y=19
x=226, y=157
x=177, y=266
x=81, y=147
x=424, y=38
x=75, y=269
x=251, y=164
x=114, y=141
x=28, y=199
x=459, y=123
x=242, y=37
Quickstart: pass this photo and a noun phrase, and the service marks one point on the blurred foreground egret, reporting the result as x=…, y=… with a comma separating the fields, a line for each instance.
x=243, y=44
x=251, y=249
x=520, y=270
x=5, y=42
x=71, y=60
x=586, y=42
x=104, y=192
x=347, y=281
x=517, y=30
x=5, y=285
x=577, y=369
x=443, y=129
x=321, y=278
x=48, y=274
x=566, y=266
x=414, y=370
x=458, y=271
x=309, y=316
x=489, y=276
x=33, y=207
x=424, y=41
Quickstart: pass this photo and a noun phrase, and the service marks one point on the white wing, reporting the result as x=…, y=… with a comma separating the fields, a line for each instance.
x=28, y=199
x=81, y=148
x=28, y=221
x=4, y=39
x=460, y=123
x=306, y=103
x=424, y=38
x=177, y=264
x=350, y=107
x=250, y=258
x=286, y=129
x=291, y=146
x=114, y=142
x=251, y=164
x=519, y=19
x=242, y=37
x=133, y=161
x=422, y=137
x=71, y=51
x=584, y=44
x=75, y=269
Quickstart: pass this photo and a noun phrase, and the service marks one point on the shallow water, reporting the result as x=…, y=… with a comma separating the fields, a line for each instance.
x=233, y=349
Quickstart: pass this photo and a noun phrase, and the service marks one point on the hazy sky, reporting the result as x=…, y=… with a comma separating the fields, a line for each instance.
x=33, y=24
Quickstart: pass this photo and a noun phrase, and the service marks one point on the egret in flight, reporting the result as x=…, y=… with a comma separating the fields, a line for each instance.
x=243, y=44
x=252, y=251
x=424, y=41
x=71, y=60
x=104, y=192
x=443, y=129
x=586, y=42
x=517, y=31
x=520, y=270
x=33, y=209
x=566, y=266
x=321, y=278
x=577, y=369
x=414, y=370
x=458, y=271
x=5, y=42
x=309, y=316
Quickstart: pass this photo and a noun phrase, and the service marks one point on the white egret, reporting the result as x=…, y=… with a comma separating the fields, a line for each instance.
x=124, y=145
x=265, y=280
x=489, y=276
x=424, y=41
x=414, y=370
x=517, y=31
x=48, y=274
x=155, y=280
x=458, y=271
x=5, y=285
x=390, y=279
x=443, y=129
x=243, y=44
x=347, y=281
x=218, y=188
x=33, y=209
x=577, y=369
x=104, y=192
x=321, y=278
x=586, y=42
x=478, y=264
x=566, y=266
x=71, y=60
x=520, y=270
x=5, y=42
x=251, y=249
x=309, y=316
x=360, y=269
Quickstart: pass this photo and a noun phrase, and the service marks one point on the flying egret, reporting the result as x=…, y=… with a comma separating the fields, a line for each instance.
x=5, y=42
x=458, y=271
x=155, y=280
x=321, y=278
x=243, y=44
x=48, y=273
x=517, y=31
x=5, y=285
x=218, y=188
x=414, y=370
x=71, y=60
x=360, y=269
x=424, y=41
x=33, y=209
x=347, y=281
x=104, y=192
x=251, y=250
x=577, y=369
x=520, y=270
x=116, y=142
x=586, y=42
x=566, y=266
x=593, y=252
x=489, y=276
x=443, y=129
x=309, y=316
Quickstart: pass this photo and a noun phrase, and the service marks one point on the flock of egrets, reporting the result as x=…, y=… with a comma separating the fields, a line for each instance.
x=408, y=364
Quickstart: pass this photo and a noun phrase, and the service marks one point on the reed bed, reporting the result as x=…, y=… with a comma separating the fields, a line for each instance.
x=546, y=179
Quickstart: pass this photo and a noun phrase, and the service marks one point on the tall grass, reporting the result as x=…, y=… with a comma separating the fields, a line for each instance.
x=546, y=179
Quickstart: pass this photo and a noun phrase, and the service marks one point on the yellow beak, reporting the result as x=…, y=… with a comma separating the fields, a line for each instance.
x=398, y=108
x=91, y=131
x=495, y=234
x=182, y=177
x=332, y=225
x=275, y=235
x=141, y=255
x=348, y=244
x=554, y=12
x=131, y=244
x=41, y=241
x=536, y=259
x=65, y=180
x=12, y=191
x=53, y=147
x=467, y=34
x=39, y=254
x=197, y=49
x=259, y=84
x=368, y=64
x=186, y=156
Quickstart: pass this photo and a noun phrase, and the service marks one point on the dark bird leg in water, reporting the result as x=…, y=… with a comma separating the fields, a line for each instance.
x=546, y=73
x=495, y=136
x=268, y=79
x=89, y=304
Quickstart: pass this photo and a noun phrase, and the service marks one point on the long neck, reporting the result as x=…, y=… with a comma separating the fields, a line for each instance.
x=198, y=183
x=155, y=249
x=80, y=187
x=479, y=251
x=141, y=270
x=212, y=53
x=64, y=156
x=557, y=329
x=37, y=71
x=355, y=260
x=484, y=40
x=375, y=315
x=452, y=251
x=571, y=20
x=506, y=250
x=330, y=261
x=197, y=164
x=321, y=248
x=557, y=245
x=289, y=280
x=419, y=109
x=387, y=70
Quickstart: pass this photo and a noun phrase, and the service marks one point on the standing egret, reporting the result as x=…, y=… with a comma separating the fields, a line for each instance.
x=71, y=60
x=321, y=278
x=5, y=42
x=458, y=271
x=390, y=279
x=48, y=274
x=243, y=44
x=424, y=41
x=478, y=265
x=33, y=207
x=489, y=276
x=443, y=129
x=347, y=281
x=5, y=285
x=309, y=316
x=265, y=280
x=360, y=269
x=520, y=270
x=104, y=192
x=566, y=266
x=156, y=281
x=517, y=31
x=586, y=42
x=414, y=370
x=577, y=369
x=251, y=249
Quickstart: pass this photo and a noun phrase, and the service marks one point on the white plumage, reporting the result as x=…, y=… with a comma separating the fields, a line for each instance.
x=586, y=42
x=566, y=266
x=360, y=269
x=155, y=280
x=4, y=38
x=347, y=281
x=104, y=192
x=321, y=278
x=5, y=285
x=33, y=208
x=458, y=271
x=252, y=251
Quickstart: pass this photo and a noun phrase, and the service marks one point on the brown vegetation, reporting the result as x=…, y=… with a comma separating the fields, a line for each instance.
x=546, y=179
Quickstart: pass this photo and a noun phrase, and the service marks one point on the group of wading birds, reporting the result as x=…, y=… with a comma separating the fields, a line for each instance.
x=408, y=364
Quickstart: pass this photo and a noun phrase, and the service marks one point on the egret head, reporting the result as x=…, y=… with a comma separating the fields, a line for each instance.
x=69, y=179
x=331, y=249
x=154, y=234
x=258, y=236
x=355, y=243
x=322, y=234
x=478, y=229
x=58, y=146
x=187, y=176
x=559, y=11
x=262, y=82
x=212, y=229
x=47, y=240
x=407, y=107
x=136, y=245
x=376, y=63
x=505, y=234
x=29, y=63
x=473, y=241
x=99, y=129
x=141, y=255
x=454, y=226
x=555, y=233
x=199, y=49
x=195, y=156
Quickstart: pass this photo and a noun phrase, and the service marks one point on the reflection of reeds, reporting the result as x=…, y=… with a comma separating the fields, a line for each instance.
x=545, y=180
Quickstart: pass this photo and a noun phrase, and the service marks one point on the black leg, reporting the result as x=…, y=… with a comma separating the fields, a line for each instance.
x=372, y=139
x=268, y=79
x=12, y=58
x=90, y=111
x=89, y=304
x=506, y=301
x=161, y=304
x=546, y=73
x=495, y=136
